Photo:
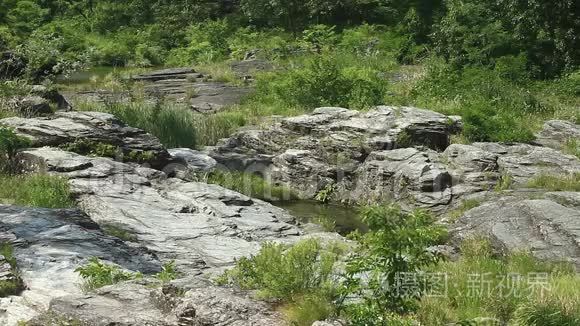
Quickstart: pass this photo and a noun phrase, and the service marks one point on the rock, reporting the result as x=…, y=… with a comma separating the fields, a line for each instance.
x=221, y=306
x=164, y=74
x=189, y=163
x=53, y=96
x=329, y=323
x=250, y=66
x=30, y=106
x=200, y=226
x=210, y=97
x=65, y=128
x=187, y=86
x=203, y=228
x=543, y=227
x=340, y=146
x=556, y=133
x=49, y=244
x=523, y=162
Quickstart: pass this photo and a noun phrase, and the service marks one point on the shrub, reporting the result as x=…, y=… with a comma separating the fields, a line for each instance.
x=10, y=143
x=396, y=244
x=36, y=190
x=324, y=81
x=9, y=286
x=481, y=285
x=285, y=273
x=97, y=274
x=168, y=272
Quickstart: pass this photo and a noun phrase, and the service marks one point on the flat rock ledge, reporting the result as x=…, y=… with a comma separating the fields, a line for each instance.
x=203, y=228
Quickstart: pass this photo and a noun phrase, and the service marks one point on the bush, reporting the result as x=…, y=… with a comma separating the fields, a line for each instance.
x=285, y=273
x=97, y=274
x=9, y=286
x=324, y=81
x=10, y=143
x=36, y=190
x=396, y=244
x=481, y=285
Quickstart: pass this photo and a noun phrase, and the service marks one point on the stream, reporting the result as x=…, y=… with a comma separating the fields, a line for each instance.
x=340, y=218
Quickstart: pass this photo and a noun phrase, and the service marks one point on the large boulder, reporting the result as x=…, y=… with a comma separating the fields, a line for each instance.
x=547, y=229
x=48, y=245
x=67, y=129
x=556, y=133
x=343, y=150
x=399, y=154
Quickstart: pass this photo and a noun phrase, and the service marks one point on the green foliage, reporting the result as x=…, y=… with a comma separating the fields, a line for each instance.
x=285, y=273
x=465, y=206
x=396, y=243
x=249, y=184
x=174, y=125
x=505, y=182
x=97, y=274
x=92, y=148
x=9, y=286
x=118, y=232
x=324, y=81
x=572, y=147
x=168, y=272
x=568, y=182
x=10, y=143
x=505, y=292
x=325, y=195
x=35, y=190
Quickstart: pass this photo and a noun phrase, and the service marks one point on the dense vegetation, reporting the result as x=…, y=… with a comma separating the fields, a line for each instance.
x=504, y=65
x=390, y=277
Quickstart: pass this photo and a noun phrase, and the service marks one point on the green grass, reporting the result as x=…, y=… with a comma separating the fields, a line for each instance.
x=466, y=205
x=35, y=190
x=482, y=285
x=9, y=286
x=569, y=182
x=174, y=125
x=301, y=276
x=572, y=147
x=118, y=232
x=97, y=274
x=250, y=185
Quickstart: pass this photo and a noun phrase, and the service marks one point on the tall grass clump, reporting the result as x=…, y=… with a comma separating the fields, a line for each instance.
x=566, y=182
x=9, y=286
x=36, y=190
x=517, y=289
x=174, y=125
x=301, y=276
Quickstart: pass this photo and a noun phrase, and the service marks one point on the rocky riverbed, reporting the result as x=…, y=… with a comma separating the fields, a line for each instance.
x=397, y=154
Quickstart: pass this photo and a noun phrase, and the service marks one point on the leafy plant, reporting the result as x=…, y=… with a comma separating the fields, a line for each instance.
x=168, y=272
x=9, y=285
x=10, y=143
x=286, y=273
x=250, y=184
x=396, y=244
x=325, y=195
x=97, y=274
